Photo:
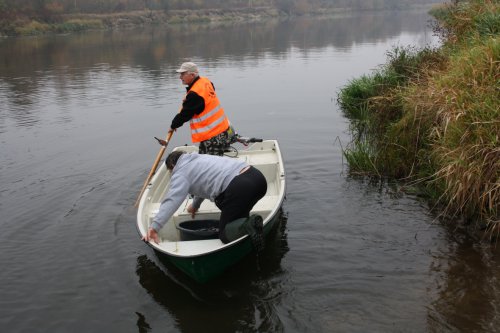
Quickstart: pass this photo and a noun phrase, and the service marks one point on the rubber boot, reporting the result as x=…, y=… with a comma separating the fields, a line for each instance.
x=234, y=230
x=255, y=228
x=251, y=226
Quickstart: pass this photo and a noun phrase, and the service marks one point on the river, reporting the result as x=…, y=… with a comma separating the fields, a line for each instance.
x=78, y=115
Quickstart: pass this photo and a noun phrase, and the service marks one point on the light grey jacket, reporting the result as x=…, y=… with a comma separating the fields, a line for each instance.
x=204, y=176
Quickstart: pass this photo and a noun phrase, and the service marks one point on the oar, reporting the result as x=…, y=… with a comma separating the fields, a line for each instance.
x=155, y=165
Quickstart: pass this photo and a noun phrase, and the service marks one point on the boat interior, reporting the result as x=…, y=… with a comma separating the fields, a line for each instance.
x=262, y=156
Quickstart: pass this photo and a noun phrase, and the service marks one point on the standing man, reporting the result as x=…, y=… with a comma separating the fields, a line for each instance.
x=201, y=106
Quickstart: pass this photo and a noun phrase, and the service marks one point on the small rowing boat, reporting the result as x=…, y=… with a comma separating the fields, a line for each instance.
x=192, y=244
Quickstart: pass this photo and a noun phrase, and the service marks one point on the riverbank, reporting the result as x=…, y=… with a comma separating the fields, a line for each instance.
x=68, y=23
x=80, y=22
x=159, y=17
x=431, y=118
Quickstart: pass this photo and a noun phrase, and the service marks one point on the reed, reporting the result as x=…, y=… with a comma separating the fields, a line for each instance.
x=375, y=105
x=361, y=158
x=432, y=117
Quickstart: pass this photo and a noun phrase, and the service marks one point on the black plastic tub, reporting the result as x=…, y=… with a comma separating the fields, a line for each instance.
x=199, y=229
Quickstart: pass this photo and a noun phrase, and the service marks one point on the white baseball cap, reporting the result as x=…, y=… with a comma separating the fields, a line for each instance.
x=188, y=67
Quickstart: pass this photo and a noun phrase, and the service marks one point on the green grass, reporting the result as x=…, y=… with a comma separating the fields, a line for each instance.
x=73, y=25
x=360, y=157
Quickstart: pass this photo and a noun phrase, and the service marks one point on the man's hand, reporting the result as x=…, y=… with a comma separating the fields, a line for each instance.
x=192, y=210
x=151, y=235
x=161, y=142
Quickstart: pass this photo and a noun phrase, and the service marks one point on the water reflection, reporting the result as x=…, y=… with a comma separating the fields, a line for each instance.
x=468, y=287
x=142, y=324
x=243, y=299
x=40, y=70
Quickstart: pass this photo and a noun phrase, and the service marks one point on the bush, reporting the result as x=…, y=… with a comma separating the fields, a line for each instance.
x=75, y=25
x=33, y=28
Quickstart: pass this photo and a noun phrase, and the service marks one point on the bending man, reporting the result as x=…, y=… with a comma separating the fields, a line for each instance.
x=232, y=184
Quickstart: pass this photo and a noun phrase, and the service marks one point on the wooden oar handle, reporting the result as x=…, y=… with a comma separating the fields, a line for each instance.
x=153, y=168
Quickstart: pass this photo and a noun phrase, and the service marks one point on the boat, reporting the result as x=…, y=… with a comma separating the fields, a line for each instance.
x=205, y=259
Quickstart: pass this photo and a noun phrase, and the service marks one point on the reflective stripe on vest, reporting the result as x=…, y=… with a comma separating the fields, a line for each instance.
x=209, y=126
x=206, y=115
x=212, y=120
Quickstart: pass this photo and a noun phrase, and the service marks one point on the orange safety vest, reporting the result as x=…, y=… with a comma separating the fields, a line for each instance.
x=212, y=120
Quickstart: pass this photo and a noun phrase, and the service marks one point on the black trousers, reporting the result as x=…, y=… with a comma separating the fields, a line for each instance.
x=240, y=196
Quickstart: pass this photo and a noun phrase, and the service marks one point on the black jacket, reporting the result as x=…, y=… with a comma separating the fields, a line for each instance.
x=192, y=104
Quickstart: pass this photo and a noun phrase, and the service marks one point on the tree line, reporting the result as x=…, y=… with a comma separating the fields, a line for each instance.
x=52, y=10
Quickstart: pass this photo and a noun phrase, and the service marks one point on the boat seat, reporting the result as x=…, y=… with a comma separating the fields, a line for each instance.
x=194, y=247
x=263, y=205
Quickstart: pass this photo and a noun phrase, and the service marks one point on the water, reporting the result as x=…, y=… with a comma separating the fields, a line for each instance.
x=77, y=121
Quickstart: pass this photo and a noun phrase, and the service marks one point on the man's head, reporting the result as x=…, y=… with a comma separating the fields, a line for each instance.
x=172, y=159
x=188, y=72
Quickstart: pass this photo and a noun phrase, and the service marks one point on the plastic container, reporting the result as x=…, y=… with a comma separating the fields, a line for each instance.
x=199, y=229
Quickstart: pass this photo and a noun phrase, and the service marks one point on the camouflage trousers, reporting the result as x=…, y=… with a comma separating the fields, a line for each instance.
x=216, y=145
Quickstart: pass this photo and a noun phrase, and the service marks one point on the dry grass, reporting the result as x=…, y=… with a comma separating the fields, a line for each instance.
x=439, y=127
x=466, y=143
